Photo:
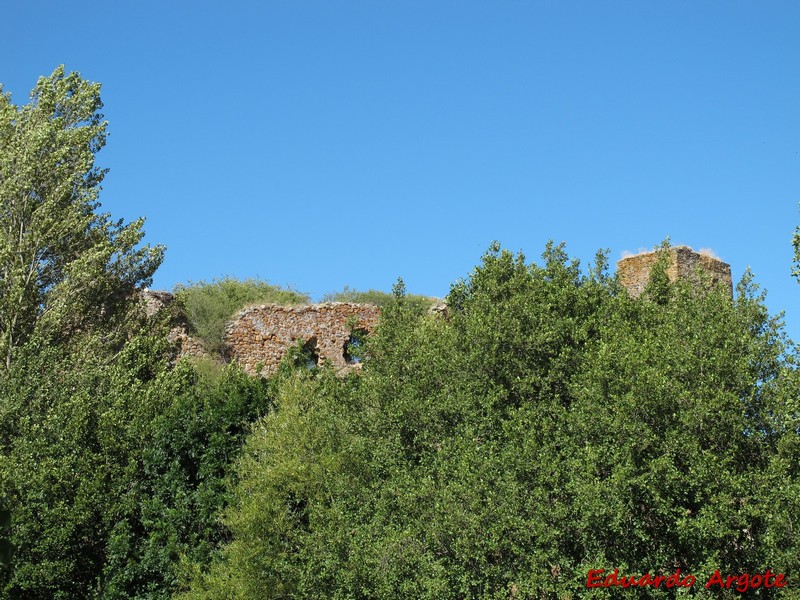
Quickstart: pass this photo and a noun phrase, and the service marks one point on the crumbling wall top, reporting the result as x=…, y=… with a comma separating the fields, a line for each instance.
x=155, y=301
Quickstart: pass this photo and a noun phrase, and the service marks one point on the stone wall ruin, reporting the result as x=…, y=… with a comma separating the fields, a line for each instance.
x=259, y=337
x=156, y=302
x=634, y=271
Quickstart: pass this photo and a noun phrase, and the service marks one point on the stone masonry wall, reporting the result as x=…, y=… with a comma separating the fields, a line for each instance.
x=157, y=301
x=634, y=271
x=261, y=335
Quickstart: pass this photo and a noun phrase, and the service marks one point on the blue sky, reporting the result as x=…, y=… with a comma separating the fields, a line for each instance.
x=323, y=144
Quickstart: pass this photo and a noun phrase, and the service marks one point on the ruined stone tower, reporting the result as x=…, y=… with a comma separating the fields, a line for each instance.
x=634, y=271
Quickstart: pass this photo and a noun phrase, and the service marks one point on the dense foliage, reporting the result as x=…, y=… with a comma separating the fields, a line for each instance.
x=115, y=467
x=209, y=306
x=550, y=426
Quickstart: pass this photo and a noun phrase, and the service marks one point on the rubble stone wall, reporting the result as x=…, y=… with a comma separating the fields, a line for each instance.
x=634, y=271
x=258, y=337
x=157, y=301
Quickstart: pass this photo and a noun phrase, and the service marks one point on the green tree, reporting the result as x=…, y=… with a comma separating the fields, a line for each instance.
x=292, y=460
x=551, y=424
x=114, y=465
x=63, y=264
x=796, y=245
x=6, y=547
x=112, y=460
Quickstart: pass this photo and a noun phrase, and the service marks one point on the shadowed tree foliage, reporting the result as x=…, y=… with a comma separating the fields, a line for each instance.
x=6, y=547
x=115, y=467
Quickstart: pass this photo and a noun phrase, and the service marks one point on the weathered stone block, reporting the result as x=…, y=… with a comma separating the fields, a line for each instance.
x=634, y=271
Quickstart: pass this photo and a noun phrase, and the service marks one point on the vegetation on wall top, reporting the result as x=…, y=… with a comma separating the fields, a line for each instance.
x=376, y=297
x=209, y=306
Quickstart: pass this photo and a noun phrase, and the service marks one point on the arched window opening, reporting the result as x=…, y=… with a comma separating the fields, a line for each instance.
x=311, y=354
x=353, y=350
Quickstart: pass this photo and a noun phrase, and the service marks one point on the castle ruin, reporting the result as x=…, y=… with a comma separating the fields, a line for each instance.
x=258, y=337
x=684, y=263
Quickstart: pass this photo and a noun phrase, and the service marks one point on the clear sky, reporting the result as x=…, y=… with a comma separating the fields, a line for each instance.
x=318, y=144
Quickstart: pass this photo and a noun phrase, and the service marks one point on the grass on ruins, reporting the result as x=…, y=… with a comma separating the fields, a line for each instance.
x=209, y=306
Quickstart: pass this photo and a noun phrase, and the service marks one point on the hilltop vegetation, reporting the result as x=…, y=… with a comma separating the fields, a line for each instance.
x=376, y=297
x=548, y=426
x=209, y=306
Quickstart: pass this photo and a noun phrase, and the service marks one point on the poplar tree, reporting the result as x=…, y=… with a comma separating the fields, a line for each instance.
x=63, y=264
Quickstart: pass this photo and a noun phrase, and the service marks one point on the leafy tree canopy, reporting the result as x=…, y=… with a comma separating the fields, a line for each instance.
x=114, y=467
x=63, y=264
x=549, y=426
